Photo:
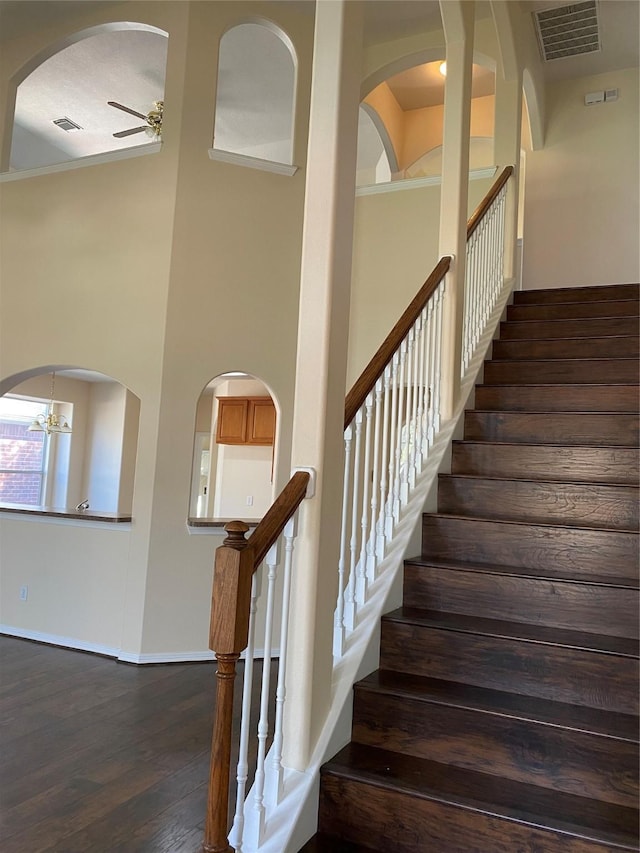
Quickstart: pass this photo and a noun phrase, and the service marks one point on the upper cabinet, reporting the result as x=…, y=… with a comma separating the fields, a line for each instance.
x=246, y=420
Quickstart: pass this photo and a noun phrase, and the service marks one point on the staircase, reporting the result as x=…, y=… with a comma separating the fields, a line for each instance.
x=503, y=718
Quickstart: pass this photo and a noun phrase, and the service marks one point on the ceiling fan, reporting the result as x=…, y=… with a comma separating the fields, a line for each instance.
x=153, y=119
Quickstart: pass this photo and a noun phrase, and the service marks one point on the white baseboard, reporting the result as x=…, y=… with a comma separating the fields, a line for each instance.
x=125, y=657
x=57, y=640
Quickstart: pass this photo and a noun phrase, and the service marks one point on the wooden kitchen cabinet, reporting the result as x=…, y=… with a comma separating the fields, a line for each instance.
x=246, y=420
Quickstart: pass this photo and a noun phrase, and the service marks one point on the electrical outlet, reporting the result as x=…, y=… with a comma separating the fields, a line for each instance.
x=24, y=593
x=249, y=500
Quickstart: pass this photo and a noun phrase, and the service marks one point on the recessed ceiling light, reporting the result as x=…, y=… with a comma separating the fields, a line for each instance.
x=66, y=124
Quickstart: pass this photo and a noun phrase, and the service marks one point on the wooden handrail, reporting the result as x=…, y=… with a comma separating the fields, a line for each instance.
x=372, y=372
x=480, y=212
x=277, y=516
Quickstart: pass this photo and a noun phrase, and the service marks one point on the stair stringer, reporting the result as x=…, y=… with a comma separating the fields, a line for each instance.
x=291, y=822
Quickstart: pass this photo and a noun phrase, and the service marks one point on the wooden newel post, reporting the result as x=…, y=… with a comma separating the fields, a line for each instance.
x=228, y=636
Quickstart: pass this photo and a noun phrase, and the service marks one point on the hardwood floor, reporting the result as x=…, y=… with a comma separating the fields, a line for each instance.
x=101, y=756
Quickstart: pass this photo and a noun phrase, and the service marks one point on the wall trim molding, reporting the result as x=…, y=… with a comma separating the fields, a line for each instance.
x=200, y=656
x=252, y=162
x=57, y=640
x=81, y=162
x=417, y=183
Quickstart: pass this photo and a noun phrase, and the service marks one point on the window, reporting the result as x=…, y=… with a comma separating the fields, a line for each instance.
x=23, y=454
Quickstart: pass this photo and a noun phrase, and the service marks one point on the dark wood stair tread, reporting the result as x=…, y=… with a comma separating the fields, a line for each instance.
x=323, y=843
x=556, y=525
x=598, y=293
x=462, y=475
x=480, y=792
x=621, y=582
x=521, y=631
x=545, y=711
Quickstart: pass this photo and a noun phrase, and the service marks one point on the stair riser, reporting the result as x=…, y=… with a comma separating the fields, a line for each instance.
x=589, y=371
x=577, y=294
x=578, y=464
x=396, y=823
x=583, y=552
x=537, y=601
x=575, y=762
x=576, y=676
x=575, y=310
x=518, y=329
x=609, y=347
x=586, y=505
x=558, y=398
x=620, y=430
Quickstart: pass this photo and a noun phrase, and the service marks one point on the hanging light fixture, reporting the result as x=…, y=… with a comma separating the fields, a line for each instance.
x=50, y=422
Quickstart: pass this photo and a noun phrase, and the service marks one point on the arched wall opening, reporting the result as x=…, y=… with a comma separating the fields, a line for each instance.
x=59, y=99
x=235, y=445
x=94, y=463
x=408, y=109
x=256, y=92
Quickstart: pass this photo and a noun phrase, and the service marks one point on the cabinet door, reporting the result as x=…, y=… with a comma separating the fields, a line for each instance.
x=232, y=420
x=261, y=421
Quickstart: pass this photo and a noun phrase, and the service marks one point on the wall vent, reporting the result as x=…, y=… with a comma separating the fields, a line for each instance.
x=568, y=30
x=66, y=124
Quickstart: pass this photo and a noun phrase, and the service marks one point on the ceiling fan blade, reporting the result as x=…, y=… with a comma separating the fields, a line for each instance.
x=126, y=109
x=129, y=132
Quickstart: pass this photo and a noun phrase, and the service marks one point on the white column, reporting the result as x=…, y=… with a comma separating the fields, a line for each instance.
x=323, y=326
x=458, y=21
x=508, y=124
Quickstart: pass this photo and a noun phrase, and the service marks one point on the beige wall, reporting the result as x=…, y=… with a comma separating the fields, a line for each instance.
x=581, y=220
x=395, y=249
x=193, y=281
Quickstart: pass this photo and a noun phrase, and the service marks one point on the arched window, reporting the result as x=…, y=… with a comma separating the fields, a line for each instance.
x=62, y=110
x=256, y=93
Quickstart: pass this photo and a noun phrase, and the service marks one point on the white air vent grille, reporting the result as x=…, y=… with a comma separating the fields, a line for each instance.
x=66, y=124
x=568, y=30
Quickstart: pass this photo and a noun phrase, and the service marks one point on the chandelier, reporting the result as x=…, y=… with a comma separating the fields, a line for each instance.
x=51, y=422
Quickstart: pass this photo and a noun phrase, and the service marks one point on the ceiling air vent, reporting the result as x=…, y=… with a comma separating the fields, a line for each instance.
x=66, y=124
x=568, y=30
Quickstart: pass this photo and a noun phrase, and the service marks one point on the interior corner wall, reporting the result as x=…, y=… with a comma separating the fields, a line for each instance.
x=581, y=216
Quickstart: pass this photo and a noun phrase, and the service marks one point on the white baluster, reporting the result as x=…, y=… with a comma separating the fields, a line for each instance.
x=392, y=445
x=273, y=793
x=258, y=817
x=237, y=832
x=415, y=403
x=431, y=368
x=338, y=629
x=351, y=603
x=405, y=449
x=381, y=526
x=400, y=432
x=438, y=358
x=421, y=386
x=361, y=582
x=372, y=545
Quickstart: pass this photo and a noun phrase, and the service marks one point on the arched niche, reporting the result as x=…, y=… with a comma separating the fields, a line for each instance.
x=72, y=81
x=408, y=106
x=234, y=449
x=430, y=164
x=256, y=91
x=95, y=462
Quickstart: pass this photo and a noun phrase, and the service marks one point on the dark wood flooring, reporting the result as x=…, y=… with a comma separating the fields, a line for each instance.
x=102, y=756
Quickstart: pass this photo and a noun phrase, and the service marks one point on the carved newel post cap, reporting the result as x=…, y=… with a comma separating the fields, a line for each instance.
x=235, y=535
